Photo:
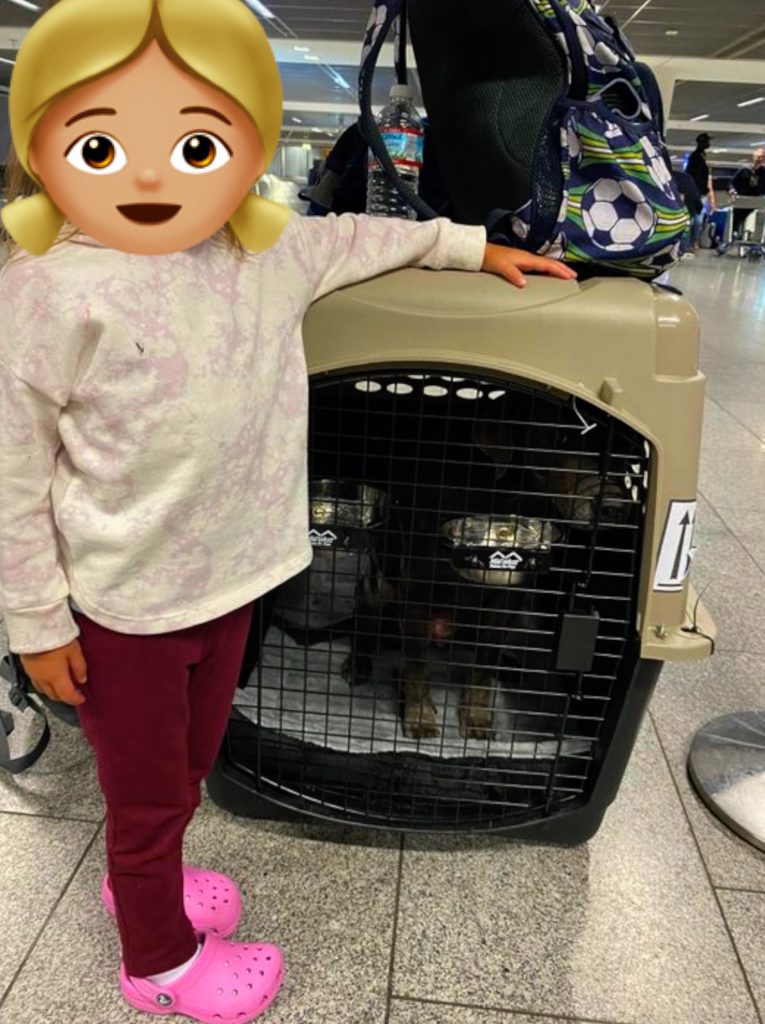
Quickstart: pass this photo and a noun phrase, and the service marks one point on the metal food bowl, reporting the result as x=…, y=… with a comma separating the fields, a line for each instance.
x=499, y=551
x=342, y=514
x=346, y=503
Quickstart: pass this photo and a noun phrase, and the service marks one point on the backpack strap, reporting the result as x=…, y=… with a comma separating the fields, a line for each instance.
x=653, y=92
x=573, y=49
x=13, y=673
x=400, y=40
x=384, y=13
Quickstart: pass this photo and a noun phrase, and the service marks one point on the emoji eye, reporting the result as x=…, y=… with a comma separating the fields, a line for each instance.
x=97, y=154
x=200, y=153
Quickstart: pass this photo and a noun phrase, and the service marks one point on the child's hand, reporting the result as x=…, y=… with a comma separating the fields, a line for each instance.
x=57, y=674
x=510, y=264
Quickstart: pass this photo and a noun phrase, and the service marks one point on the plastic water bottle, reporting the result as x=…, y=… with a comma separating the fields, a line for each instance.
x=403, y=133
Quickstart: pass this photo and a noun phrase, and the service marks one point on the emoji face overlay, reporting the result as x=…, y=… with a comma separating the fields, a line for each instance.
x=147, y=159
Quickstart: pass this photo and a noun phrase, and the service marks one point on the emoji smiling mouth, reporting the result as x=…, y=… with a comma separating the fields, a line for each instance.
x=149, y=213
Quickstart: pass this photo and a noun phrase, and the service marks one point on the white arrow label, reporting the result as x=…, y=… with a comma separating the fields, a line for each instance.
x=676, y=552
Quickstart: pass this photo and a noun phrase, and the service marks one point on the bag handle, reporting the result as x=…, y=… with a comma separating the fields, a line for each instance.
x=12, y=672
x=367, y=124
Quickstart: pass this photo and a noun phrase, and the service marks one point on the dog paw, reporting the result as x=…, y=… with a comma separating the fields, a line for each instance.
x=476, y=723
x=420, y=722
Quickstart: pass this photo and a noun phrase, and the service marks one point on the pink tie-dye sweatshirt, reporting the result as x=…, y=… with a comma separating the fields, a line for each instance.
x=153, y=420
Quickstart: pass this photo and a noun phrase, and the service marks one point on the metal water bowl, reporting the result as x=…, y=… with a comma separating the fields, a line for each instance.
x=343, y=511
x=499, y=552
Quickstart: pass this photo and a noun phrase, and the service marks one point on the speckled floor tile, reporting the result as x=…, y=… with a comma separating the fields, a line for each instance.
x=405, y=1012
x=37, y=859
x=733, y=479
x=71, y=975
x=732, y=586
x=739, y=383
x=722, y=290
x=687, y=697
x=749, y=529
x=750, y=414
x=709, y=525
x=624, y=929
x=728, y=340
x=745, y=914
x=722, y=432
x=63, y=782
x=329, y=906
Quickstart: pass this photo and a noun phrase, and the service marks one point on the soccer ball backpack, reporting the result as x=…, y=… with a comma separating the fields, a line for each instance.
x=544, y=125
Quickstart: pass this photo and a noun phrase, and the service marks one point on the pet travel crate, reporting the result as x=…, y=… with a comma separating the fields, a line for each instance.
x=502, y=507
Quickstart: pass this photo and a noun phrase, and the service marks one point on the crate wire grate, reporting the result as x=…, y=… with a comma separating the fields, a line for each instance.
x=411, y=677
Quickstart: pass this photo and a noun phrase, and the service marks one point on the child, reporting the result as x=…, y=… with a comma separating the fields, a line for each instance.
x=153, y=428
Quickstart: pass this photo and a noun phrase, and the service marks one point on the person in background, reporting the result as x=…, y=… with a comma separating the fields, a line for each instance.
x=698, y=169
x=748, y=181
x=315, y=172
x=692, y=198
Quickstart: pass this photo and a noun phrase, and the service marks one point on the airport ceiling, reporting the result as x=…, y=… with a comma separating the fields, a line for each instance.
x=731, y=29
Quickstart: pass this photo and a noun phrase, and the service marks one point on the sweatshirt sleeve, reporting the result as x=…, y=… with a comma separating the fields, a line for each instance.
x=349, y=248
x=33, y=585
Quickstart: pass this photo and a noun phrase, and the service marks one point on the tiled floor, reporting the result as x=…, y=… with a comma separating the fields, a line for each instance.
x=659, y=920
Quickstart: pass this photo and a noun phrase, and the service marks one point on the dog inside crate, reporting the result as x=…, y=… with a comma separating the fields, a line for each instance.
x=458, y=524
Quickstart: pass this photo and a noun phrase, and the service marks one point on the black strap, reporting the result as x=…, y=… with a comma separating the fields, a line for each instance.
x=22, y=700
x=367, y=123
x=402, y=72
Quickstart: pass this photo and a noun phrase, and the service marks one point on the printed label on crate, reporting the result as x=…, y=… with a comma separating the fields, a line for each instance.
x=505, y=560
x=677, y=550
x=322, y=539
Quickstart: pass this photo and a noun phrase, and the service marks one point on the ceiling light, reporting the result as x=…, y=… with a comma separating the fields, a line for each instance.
x=298, y=120
x=751, y=103
x=302, y=49
x=255, y=5
x=4, y=60
x=310, y=56
x=701, y=117
x=25, y=3
x=672, y=32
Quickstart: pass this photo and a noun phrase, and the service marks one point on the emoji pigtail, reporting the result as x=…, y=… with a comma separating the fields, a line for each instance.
x=259, y=222
x=33, y=223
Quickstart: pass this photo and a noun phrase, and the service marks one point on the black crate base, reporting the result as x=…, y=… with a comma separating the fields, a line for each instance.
x=237, y=785
x=461, y=655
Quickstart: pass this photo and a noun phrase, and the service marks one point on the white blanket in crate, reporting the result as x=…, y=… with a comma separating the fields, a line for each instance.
x=305, y=696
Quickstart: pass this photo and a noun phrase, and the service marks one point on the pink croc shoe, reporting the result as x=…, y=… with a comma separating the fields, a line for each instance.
x=229, y=983
x=212, y=901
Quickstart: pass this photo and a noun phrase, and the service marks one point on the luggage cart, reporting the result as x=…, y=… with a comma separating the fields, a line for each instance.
x=753, y=248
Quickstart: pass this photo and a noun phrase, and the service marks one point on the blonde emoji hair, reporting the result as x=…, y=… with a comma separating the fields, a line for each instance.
x=79, y=41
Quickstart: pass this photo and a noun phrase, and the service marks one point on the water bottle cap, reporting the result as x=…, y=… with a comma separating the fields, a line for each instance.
x=401, y=92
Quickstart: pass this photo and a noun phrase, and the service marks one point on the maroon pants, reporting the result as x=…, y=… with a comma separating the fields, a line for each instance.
x=155, y=713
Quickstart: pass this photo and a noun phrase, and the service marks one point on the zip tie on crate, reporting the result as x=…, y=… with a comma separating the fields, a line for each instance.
x=694, y=630
x=587, y=426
